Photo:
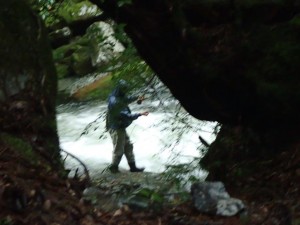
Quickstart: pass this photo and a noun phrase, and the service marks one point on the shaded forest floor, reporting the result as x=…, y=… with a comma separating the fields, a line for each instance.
x=33, y=193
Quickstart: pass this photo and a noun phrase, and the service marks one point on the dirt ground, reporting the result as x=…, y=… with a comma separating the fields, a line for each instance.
x=34, y=194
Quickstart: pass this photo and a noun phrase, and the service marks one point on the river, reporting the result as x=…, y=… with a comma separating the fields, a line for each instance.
x=158, y=139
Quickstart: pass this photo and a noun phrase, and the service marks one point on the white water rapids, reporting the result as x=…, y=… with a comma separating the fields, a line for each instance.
x=155, y=144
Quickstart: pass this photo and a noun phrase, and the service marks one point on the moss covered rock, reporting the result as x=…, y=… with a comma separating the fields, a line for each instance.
x=83, y=55
x=81, y=61
x=73, y=59
x=72, y=11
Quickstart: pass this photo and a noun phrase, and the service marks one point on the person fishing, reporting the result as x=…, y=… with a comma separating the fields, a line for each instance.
x=118, y=118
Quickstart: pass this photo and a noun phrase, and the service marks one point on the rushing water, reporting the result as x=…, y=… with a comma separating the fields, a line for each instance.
x=156, y=142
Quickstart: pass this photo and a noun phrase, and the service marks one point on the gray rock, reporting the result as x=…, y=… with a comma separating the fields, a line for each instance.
x=229, y=207
x=101, y=199
x=137, y=203
x=212, y=198
x=91, y=193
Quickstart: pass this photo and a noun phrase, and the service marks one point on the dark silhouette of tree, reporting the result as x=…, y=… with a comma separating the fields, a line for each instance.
x=27, y=80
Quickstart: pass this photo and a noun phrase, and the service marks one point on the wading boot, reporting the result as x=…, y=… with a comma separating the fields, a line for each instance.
x=113, y=169
x=133, y=168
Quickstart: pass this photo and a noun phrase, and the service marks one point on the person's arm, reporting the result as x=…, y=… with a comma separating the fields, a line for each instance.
x=144, y=113
x=133, y=116
x=128, y=115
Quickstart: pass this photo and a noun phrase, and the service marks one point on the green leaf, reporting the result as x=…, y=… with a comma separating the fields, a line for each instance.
x=157, y=198
x=124, y=2
x=145, y=192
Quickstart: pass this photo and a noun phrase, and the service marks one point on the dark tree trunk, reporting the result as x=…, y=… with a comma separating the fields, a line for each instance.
x=235, y=62
x=226, y=61
x=27, y=81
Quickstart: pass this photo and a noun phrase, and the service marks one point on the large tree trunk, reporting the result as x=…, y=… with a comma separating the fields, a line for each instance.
x=230, y=61
x=235, y=62
x=27, y=81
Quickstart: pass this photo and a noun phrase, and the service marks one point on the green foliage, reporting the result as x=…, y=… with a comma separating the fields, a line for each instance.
x=152, y=195
x=6, y=221
x=19, y=145
x=252, y=3
x=47, y=9
x=80, y=55
x=146, y=198
x=81, y=62
x=296, y=20
x=296, y=221
x=129, y=65
x=55, y=12
x=73, y=59
x=42, y=5
x=65, y=51
x=184, y=174
x=124, y=2
x=120, y=3
x=62, y=70
x=122, y=64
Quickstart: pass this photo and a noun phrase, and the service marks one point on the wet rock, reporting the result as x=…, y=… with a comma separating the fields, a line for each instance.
x=101, y=199
x=212, y=198
x=137, y=203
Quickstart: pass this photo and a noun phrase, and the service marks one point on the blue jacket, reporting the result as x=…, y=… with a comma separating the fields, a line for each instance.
x=119, y=115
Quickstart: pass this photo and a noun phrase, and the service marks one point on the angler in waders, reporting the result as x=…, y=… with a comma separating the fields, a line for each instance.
x=118, y=118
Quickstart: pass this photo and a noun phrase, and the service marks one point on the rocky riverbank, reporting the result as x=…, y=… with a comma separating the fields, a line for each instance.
x=140, y=191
